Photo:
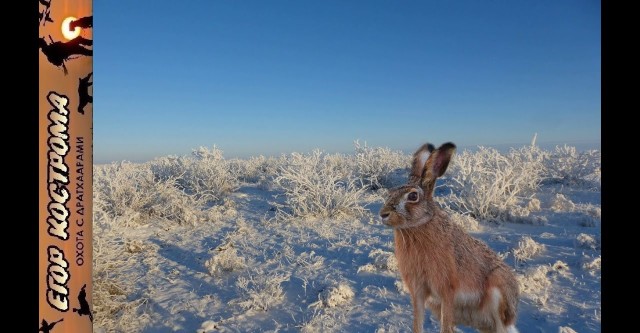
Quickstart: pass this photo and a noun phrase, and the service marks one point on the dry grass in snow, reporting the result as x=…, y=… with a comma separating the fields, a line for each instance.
x=382, y=261
x=527, y=249
x=260, y=290
x=316, y=186
x=225, y=259
x=375, y=166
x=571, y=167
x=488, y=184
x=593, y=265
x=467, y=222
x=537, y=282
x=115, y=306
x=562, y=204
x=588, y=241
x=334, y=296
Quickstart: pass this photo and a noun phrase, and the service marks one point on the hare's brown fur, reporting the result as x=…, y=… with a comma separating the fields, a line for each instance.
x=459, y=278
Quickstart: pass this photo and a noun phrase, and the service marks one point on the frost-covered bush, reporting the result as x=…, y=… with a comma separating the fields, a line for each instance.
x=567, y=165
x=593, y=266
x=124, y=188
x=256, y=169
x=207, y=175
x=533, y=205
x=401, y=287
x=527, y=248
x=382, y=260
x=334, y=296
x=208, y=326
x=535, y=284
x=131, y=193
x=309, y=261
x=167, y=167
x=340, y=164
x=561, y=203
x=588, y=242
x=376, y=166
x=488, y=184
x=467, y=222
x=225, y=259
x=316, y=186
x=261, y=290
x=324, y=321
x=115, y=307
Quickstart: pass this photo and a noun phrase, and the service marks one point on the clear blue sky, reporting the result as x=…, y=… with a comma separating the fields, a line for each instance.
x=271, y=77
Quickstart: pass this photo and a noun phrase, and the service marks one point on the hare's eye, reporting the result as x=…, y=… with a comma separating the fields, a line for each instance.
x=413, y=196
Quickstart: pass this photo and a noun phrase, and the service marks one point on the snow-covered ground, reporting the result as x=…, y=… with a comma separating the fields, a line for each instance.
x=294, y=244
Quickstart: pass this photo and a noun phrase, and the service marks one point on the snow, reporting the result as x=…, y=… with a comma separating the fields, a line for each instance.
x=241, y=267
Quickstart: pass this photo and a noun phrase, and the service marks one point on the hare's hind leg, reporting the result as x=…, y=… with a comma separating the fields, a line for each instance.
x=496, y=308
x=512, y=329
x=418, y=300
x=447, y=311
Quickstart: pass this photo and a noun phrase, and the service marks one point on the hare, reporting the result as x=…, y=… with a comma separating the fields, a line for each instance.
x=459, y=278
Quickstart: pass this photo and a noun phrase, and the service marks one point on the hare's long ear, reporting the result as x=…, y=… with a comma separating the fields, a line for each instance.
x=435, y=167
x=419, y=163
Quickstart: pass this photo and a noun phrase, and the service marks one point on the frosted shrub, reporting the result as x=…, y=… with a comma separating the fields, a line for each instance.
x=207, y=175
x=401, y=287
x=123, y=188
x=535, y=284
x=261, y=290
x=488, y=184
x=368, y=268
x=167, y=167
x=226, y=259
x=384, y=260
x=208, y=326
x=562, y=204
x=592, y=265
x=315, y=187
x=174, y=205
x=256, y=169
x=132, y=194
x=114, y=306
x=537, y=281
x=467, y=222
x=340, y=164
x=334, y=296
x=375, y=166
x=527, y=249
x=309, y=261
x=521, y=214
x=566, y=164
x=324, y=321
x=562, y=268
x=533, y=205
x=587, y=242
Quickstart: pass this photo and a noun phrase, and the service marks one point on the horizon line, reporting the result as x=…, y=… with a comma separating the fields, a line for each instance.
x=580, y=145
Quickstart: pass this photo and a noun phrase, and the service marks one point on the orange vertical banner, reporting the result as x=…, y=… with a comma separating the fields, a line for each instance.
x=65, y=165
